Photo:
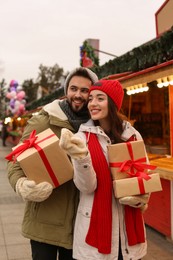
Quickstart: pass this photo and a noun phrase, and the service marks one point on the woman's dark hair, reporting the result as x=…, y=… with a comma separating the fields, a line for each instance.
x=116, y=119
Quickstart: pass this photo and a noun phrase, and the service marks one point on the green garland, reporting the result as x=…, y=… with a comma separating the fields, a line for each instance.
x=145, y=56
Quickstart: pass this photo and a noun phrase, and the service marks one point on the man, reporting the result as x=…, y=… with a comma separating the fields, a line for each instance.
x=49, y=215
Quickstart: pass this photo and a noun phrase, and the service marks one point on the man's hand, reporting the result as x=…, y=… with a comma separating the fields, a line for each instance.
x=30, y=191
x=74, y=146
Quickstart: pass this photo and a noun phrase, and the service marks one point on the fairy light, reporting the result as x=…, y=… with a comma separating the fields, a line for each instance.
x=161, y=82
x=171, y=80
x=137, y=89
x=165, y=81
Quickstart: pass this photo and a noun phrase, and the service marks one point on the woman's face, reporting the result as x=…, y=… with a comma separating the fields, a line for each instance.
x=98, y=105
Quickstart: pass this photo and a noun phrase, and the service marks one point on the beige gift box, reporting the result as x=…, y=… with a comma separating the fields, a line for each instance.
x=118, y=153
x=130, y=159
x=131, y=186
x=46, y=161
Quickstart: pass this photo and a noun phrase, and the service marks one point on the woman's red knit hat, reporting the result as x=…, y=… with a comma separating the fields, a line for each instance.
x=112, y=88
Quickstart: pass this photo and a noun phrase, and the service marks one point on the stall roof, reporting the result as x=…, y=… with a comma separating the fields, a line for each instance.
x=128, y=79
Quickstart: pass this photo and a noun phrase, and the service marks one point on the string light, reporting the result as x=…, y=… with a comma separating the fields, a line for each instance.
x=171, y=80
x=161, y=82
x=165, y=81
x=137, y=89
x=7, y=120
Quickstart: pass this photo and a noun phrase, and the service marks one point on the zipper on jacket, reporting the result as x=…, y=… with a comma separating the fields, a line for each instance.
x=126, y=248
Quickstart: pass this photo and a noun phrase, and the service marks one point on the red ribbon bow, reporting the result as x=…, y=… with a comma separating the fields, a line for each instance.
x=27, y=143
x=134, y=168
x=31, y=142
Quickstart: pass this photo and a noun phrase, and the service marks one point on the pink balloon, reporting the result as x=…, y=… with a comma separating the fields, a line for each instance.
x=21, y=107
x=8, y=95
x=21, y=95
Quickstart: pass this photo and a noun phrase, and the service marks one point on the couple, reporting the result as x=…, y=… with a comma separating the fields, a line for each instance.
x=50, y=215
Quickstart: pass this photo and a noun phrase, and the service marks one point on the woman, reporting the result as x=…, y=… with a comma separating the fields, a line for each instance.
x=101, y=227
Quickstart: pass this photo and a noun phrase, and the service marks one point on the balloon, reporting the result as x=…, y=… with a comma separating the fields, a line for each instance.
x=21, y=95
x=19, y=88
x=13, y=83
x=13, y=94
x=13, y=89
x=12, y=103
x=16, y=106
x=8, y=95
x=21, y=107
x=23, y=101
x=16, y=94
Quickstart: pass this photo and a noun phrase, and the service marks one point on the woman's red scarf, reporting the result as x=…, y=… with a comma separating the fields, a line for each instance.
x=100, y=230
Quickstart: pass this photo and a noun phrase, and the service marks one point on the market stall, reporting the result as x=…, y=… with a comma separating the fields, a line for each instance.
x=150, y=108
x=15, y=128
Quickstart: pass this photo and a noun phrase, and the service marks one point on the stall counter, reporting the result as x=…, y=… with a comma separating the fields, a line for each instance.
x=159, y=214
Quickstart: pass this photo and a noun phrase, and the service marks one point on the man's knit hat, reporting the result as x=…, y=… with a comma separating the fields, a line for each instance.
x=83, y=72
x=112, y=88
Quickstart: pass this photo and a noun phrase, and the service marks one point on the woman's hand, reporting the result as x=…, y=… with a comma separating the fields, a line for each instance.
x=74, y=146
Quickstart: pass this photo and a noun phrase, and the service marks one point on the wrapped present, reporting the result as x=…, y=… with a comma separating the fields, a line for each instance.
x=136, y=186
x=130, y=170
x=127, y=159
x=42, y=159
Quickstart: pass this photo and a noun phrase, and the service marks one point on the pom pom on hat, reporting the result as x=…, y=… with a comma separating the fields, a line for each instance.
x=112, y=88
x=93, y=77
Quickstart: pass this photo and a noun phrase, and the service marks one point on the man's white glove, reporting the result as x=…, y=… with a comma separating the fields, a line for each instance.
x=137, y=201
x=74, y=146
x=30, y=191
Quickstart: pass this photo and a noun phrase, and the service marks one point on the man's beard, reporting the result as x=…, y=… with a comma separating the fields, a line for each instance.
x=77, y=108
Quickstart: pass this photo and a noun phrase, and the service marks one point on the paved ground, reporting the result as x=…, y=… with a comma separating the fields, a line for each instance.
x=13, y=246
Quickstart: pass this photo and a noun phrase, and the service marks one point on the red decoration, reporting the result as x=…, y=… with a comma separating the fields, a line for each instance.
x=87, y=62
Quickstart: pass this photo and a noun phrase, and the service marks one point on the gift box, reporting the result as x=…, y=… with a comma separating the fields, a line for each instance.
x=42, y=159
x=135, y=186
x=125, y=159
x=130, y=170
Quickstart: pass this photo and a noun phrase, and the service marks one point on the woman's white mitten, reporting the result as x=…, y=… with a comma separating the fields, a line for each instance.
x=137, y=201
x=30, y=191
x=74, y=146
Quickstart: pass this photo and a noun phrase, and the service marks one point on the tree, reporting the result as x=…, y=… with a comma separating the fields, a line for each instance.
x=2, y=98
x=49, y=78
x=48, y=81
x=30, y=89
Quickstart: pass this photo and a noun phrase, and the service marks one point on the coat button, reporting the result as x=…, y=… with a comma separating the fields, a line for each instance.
x=87, y=214
x=85, y=166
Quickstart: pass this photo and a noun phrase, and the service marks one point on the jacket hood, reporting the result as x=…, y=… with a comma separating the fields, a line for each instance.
x=54, y=109
x=128, y=131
